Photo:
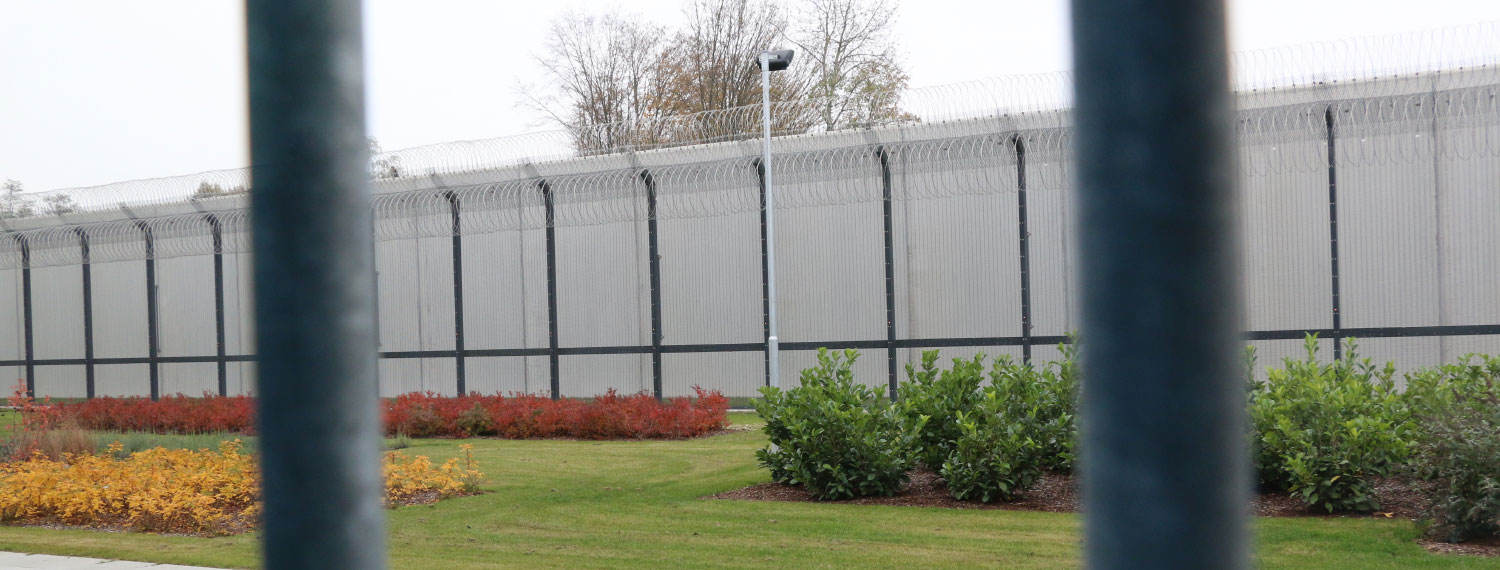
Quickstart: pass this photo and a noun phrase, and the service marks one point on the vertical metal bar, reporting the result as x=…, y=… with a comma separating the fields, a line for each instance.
x=458, y=290
x=88, y=312
x=315, y=306
x=890, y=271
x=1164, y=467
x=654, y=262
x=1333, y=233
x=152, y=340
x=1025, y=234
x=220, y=355
x=765, y=269
x=26, y=317
x=1437, y=220
x=552, y=357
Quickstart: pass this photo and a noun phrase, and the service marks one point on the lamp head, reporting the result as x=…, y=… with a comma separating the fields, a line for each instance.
x=776, y=59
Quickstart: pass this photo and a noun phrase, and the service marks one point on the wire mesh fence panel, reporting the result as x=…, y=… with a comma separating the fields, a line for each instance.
x=834, y=291
x=189, y=378
x=122, y=380
x=869, y=368
x=120, y=328
x=61, y=381
x=57, y=312
x=1385, y=180
x=1052, y=251
x=402, y=376
x=502, y=375
x=1284, y=220
x=953, y=240
x=1467, y=141
x=505, y=293
x=588, y=375
x=736, y=374
x=239, y=323
x=12, y=321
x=187, y=315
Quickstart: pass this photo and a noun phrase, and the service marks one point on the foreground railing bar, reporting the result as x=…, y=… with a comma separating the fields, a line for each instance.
x=318, y=417
x=1164, y=468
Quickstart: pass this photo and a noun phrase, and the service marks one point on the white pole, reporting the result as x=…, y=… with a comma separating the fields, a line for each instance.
x=772, y=348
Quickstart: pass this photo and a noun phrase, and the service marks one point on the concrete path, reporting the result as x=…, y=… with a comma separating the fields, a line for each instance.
x=18, y=561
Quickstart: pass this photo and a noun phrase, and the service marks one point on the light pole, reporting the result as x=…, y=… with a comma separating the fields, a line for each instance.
x=773, y=60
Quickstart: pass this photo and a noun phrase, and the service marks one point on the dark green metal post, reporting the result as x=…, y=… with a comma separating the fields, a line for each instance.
x=1165, y=474
x=314, y=299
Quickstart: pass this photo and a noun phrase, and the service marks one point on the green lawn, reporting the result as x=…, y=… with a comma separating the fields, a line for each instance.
x=567, y=504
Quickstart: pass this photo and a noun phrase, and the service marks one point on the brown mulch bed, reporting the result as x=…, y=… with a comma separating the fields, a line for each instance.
x=1057, y=494
x=1482, y=547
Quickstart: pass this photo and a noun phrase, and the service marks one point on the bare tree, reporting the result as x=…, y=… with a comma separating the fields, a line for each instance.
x=12, y=203
x=208, y=189
x=604, y=72
x=59, y=204
x=848, y=48
x=382, y=166
x=621, y=82
x=712, y=63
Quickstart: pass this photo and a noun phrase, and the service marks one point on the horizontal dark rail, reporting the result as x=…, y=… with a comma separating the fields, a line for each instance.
x=1370, y=332
x=1377, y=332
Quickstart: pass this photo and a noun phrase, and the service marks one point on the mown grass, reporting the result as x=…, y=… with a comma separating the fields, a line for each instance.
x=637, y=504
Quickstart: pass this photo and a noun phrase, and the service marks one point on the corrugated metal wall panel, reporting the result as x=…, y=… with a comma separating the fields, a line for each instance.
x=122, y=380
x=591, y=375
x=736, y=374
x=12, y=337
x=60, y=381
x=57, y=310
x=189, y=378
x=501, y=375
x=1284, y=228
x=185, y=313
x=120, y=310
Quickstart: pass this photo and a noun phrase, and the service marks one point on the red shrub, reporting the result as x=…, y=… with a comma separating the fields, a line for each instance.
x=517, y=416
x=172, y=414
x=522, y=416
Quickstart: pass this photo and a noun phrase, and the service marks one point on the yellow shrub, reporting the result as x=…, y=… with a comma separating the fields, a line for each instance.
x=198, y=492
x=413, y=479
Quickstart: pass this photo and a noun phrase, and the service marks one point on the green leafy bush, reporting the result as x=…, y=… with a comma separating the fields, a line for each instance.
x=995, y=456
x=1022, y=426
x=933, y=398
x=1457, y=447
x=1046, y=396
x=835, y=436
x=1322, y=430
x=1045, y=401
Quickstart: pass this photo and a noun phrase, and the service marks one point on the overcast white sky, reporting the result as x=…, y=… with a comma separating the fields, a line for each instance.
x=98, y=91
